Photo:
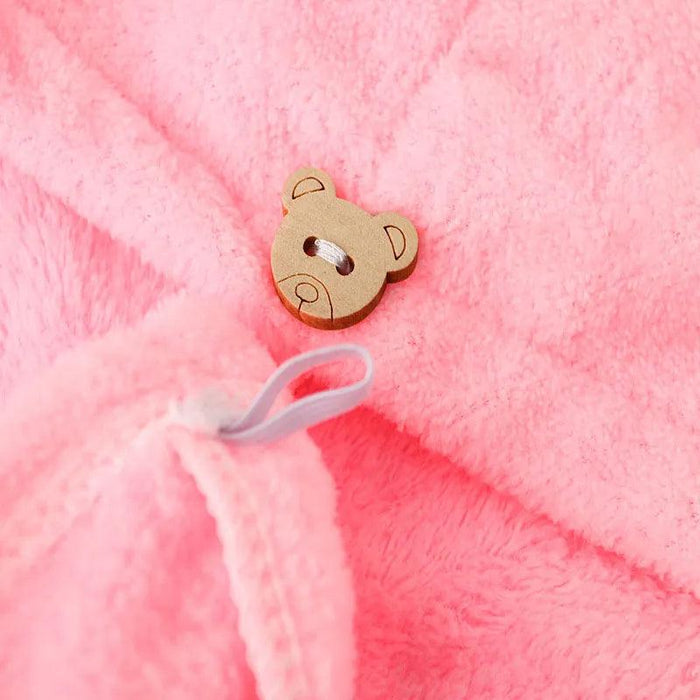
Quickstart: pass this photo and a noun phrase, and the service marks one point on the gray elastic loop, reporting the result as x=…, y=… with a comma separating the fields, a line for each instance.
x=306, y=412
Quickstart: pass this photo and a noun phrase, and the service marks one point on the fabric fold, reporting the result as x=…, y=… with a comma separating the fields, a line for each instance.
x=66, y=438
x=275, y=516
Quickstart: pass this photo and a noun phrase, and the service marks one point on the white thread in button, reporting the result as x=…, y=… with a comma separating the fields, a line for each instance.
x=330, y=252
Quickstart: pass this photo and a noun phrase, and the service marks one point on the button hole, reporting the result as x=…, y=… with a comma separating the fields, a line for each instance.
x=310, y=246
x=346, y=267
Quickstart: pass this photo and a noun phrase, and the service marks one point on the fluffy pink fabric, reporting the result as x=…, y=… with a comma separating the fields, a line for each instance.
x=516, y=513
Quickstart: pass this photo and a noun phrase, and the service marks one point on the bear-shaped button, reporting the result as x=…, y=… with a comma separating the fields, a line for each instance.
x=331, y=260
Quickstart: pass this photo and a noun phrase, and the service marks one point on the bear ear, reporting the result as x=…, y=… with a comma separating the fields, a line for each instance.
x=306, y=182
x=401, y=245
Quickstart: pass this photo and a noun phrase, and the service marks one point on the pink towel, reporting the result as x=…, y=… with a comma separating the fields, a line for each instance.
x=515, y=513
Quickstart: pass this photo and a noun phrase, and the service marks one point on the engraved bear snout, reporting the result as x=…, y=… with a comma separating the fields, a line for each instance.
x=307, y=294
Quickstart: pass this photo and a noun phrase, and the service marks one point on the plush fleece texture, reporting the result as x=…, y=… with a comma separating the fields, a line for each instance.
x=515, y=513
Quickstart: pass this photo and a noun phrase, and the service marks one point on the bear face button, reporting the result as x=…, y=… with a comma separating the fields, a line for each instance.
x=331, y=260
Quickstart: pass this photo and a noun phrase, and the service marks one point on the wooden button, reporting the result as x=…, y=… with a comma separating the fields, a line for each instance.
x=331, y=260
